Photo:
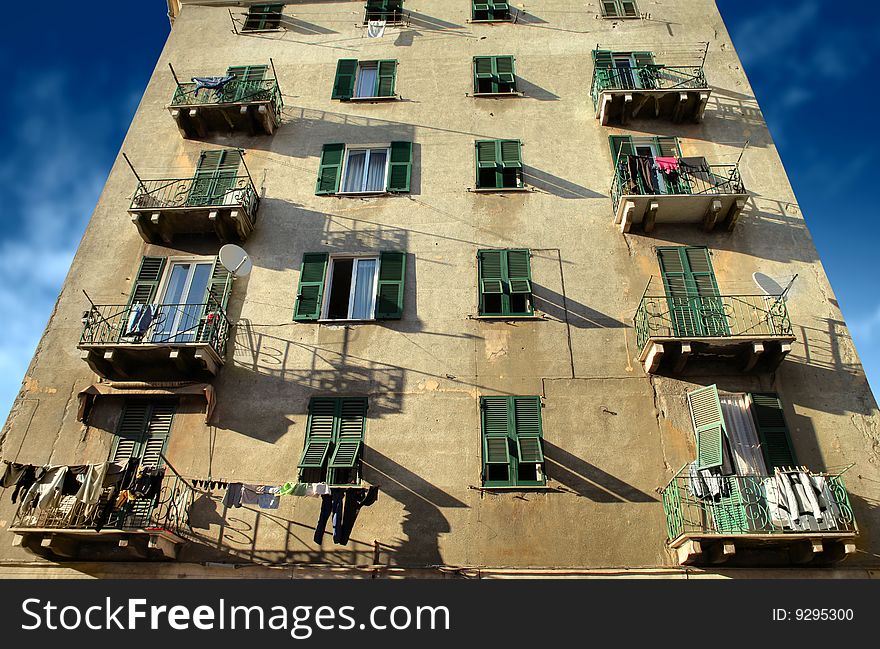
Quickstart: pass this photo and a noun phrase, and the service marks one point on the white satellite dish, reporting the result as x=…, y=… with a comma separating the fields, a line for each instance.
x=235, y=259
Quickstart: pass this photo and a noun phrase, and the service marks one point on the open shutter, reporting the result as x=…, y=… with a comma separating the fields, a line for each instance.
x=158, y=430
x=708, y=422
x=319, y=432
x=505, y=70
x=330, y=169
x=387, y=78
x=352, y=421
x=483, y=69
x=496, y=425
x=527, y=427
x=343, y=86
x=486, y=154
x=668, y=147
x=603, y=59
x=311, y=286
x=643, y=59
x=491, y=271
x=390, y=292
x=519, y=271
x=131, y=431
x=247, y=85
x=400, y=171
x=774, y=434
x=219, y=287
x=248, y=72
x=621, y=146
x=509, y=153
x=147, y=280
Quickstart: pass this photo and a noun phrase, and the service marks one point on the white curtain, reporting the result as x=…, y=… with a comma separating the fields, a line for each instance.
x=376, y=171
x=365, y=274
x=743, y=436
x=366, y=81
x=354, y=171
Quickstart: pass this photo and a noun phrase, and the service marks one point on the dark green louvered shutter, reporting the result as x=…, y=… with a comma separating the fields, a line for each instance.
x=509, y=153
x=496, y=430
x=247, y=85
x=773, y=431
x=130, y=432
x=158, y=430
x=668, y=147
x=628, y=8
x=320, y=429
x=491, y=271
x=692, y=292
x=215, y=175
x=482, y=71
x=352, y=412
x=248, y=72
x=645, y=70
x=730, y=512
x=346, y=71
x=519, y=271
x=527, y=428
x=391, y=288
x=146, y=282
x=387, y=78
x=330, y=169
x=400, y=167
x=310, y=292
x=504, y=69
x=603, y=59
x=486, y=154
x=621, y=146
x=708, y=421
x=219, y=287
x=266, y=16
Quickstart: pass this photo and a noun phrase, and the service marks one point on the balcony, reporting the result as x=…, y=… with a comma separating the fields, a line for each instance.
x=173, y=342
x=753, y=331
x=142, y=529
x=250, y=106
x=743, y=523
x=163, y=209
x=675, y=93
x=695, y=192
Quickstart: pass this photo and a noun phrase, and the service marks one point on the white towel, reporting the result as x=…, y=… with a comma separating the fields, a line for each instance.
x=376, y=29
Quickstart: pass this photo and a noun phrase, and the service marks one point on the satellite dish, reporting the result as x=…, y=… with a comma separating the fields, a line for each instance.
x=767, y=284
x=235, y=260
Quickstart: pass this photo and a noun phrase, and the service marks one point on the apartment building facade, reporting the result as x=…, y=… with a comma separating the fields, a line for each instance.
x=534, y=272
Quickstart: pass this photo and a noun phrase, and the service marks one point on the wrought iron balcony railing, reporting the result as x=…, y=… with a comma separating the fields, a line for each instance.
x=647, y=77
x=168, y=512
x=717, y=316
x=639, y=176
x=747, y=504
x=164, y=324
x=198, y=191
x=233, y=92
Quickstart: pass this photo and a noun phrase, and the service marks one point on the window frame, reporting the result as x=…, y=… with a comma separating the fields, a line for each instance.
x=326, y=473
x=343, y=173
x=397, y=14
x=499, y=168
x=267, y=16
x=513, y=446
x=619, y=11
x=328, y=287
x=505, y=312
x=495, y=74
x=490, y=11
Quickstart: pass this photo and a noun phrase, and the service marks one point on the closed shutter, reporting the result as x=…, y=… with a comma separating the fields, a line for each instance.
x=215, y=302
x=387, y=78
x=483, y=70
x=343, y=86
x=143, y=432
x=628, y=8
x=310, y=292
x=527, y=428
x=330, y=169
x=400, y=171
x=391, y=288
x=491, y=271
x=692, y=292
x=496, y=424
x=215, y=175
x=603, y=59
x=621, y=146
x=730, y=512
x=158, y=430
x=708, y=422
x=509, y=153
x=146, y=282
x=486, y=154
x=519, y=271
x=505, y=71
x=773, y=431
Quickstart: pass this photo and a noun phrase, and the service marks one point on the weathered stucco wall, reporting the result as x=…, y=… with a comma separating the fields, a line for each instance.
x=613, y=435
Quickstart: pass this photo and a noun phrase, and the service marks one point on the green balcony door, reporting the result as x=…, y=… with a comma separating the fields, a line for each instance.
x=695, y=305
x=215, y=177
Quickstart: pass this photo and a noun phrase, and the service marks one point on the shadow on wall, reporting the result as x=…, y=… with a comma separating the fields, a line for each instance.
x=555, y=185
x=565, y=309
x=589, y=481
x=533, y=91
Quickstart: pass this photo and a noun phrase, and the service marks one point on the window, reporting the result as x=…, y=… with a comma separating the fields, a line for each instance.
x=505, y=283
x=388, y=10
x=263, y=17
x=188, y=298
x=215, y=178
x=494, y=75
x=350, y=287
x=635, y=162
x=490, y=11
x=334, y=440
x=619, y=9
x=513, y=454
x=625, y=70
x=692, y=292
x=364, y=79
x=499, y=164
x=363, y=170
x=247, y=86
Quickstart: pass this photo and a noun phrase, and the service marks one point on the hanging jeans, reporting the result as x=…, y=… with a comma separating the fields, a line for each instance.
x=326, y=507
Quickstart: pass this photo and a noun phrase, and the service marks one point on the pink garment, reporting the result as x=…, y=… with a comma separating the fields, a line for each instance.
x=667, y=164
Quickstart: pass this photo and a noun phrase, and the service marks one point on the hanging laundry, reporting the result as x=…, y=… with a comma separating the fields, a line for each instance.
x=376, y=29
x=250, y=494
x=355, y=500
x=139, y=320
x=269, y=498
x=90, y=491
x=336, y=502
x=46, y=491
x=323, y=517
x=233, y=495
x=73, y=479
x=27, y=478
x=211, y=83
x=667, y=164
x=11, y=474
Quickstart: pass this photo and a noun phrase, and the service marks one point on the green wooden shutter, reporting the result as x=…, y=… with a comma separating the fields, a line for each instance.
x=692, y=291
x=773, y=431
x=603, y=59
x=730, y=512
x=158, y=430
x=668, y=147
x=496, y=426
x=352, y=413
x=146, y=282
x=130, y=432
x=219, y=287
x=708, y=422
x=509, y=153
x=215, y=175
x=247, y=72
x=483, y=69
x=247, y=85
x=504, y=69
x=400, y=171
x=320, y=429
x=330, y=169
x=621, y=145
x=527, y=428
x=387, y=78
x=486, y=154
x=491, y=271
x=391, y=288
x=343, y=86
x=519, y=271
x=310, y=292
x=628, y=8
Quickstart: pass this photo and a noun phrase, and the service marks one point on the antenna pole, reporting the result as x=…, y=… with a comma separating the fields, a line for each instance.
x=275, y=74
x=742, y=153
x=705, y=53
x=131, y=166
x=174, y=74
x=246, y=170
x=234, y=25
x=92, y=302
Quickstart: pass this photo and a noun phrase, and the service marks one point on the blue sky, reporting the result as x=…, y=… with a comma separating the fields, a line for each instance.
x=77, y=76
